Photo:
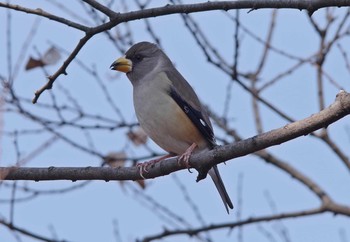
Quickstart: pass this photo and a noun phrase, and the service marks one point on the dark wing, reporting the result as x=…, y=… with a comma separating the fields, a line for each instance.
x=189, y=103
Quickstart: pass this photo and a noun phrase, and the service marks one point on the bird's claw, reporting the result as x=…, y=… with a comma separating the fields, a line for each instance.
x=187, y=164
x=185, y=157
x=143, y=167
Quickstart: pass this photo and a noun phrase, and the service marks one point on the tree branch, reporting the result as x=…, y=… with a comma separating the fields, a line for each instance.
x=27, y=232
x=202, y=162
x=332, y=207
x=117, y=18
x=309, y=5
x=45, y=14
x=100, y=7
x=62, y=69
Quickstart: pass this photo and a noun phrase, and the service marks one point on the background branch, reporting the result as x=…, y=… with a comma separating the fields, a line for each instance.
x=201, y=162
x=254, y=69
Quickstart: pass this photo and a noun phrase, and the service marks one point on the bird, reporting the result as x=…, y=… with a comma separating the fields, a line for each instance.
x=167, y=108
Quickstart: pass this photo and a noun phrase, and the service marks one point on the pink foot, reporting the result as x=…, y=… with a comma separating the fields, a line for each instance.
x=186, y=156
x=145, y=165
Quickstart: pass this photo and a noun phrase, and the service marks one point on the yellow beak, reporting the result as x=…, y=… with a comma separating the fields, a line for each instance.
x=122, y=64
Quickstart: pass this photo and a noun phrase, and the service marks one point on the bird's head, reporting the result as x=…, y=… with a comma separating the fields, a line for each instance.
x=141, y=59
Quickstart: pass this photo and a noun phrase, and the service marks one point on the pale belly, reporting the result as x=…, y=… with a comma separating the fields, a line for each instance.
x=165, y=123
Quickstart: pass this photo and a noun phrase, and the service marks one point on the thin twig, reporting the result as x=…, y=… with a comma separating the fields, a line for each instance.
x=201, y=161
x=42, y=13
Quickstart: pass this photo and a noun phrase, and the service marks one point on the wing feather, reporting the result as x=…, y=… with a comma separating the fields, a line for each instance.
x=190, y=104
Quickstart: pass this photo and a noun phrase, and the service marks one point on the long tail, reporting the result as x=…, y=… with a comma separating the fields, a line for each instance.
x=215, y=175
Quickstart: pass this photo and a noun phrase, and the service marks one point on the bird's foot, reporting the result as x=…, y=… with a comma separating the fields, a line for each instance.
x=185, y=157
x=143, y=167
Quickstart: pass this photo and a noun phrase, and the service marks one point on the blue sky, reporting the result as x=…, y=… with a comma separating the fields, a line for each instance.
x=88, y=214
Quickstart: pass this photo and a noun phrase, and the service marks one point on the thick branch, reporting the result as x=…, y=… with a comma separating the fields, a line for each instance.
x=201, y=161
x=310, y=5
x=117, y=18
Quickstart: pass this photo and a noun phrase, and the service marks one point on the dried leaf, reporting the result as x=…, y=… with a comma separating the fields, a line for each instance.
x=50, y=57
x=142, y=183
x=117, y=159
x=137, y=137
x=33, y=63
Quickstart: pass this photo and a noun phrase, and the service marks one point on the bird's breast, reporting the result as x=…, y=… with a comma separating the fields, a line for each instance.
x=162, y=119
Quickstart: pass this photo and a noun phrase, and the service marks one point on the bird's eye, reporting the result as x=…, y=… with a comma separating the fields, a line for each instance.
x=139, y=57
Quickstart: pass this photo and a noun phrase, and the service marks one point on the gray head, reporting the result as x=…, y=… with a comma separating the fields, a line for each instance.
x=141, y=59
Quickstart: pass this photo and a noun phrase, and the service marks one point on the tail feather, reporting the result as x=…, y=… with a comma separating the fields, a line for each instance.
x=215, y=175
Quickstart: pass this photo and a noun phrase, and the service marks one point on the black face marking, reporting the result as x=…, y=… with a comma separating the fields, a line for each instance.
x=136, y=58
x=195, y=116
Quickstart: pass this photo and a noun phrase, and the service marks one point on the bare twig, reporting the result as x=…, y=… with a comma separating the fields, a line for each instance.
x=45, y=14
x=202, y=162
x=100, y=7
x=251, y=220
x=117, y=18
x=62, y=69
x=27, y=232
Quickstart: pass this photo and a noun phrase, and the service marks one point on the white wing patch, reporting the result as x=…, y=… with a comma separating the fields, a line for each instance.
x=202, y=122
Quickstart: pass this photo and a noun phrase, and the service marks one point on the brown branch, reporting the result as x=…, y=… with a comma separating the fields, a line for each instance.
x=100, y=7
x=279, y=163
x=309, y=5
x=62, y=69
x=201, y=161
x=45, y=14
x=332, y=207
x=26, y=232
x=266, y=50
x=286, y=72
x=296, y=174
x=117, y=18
x=331, y=144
